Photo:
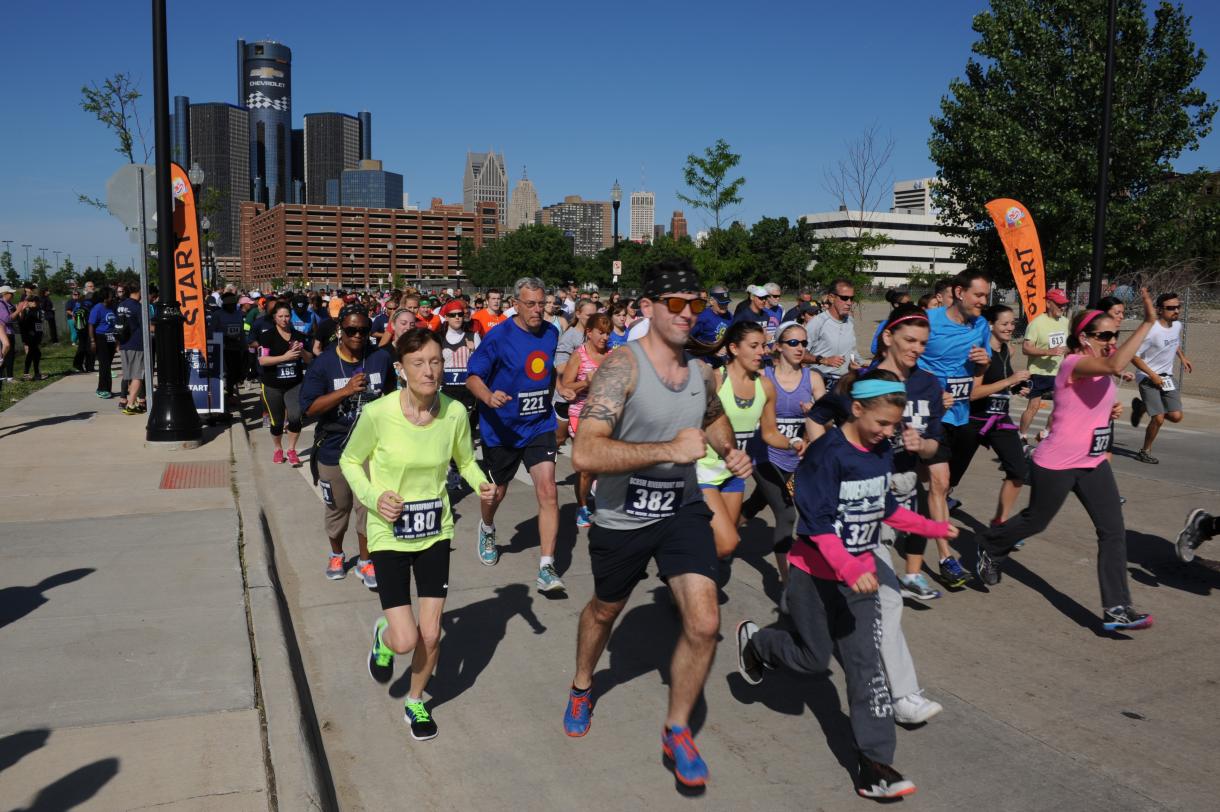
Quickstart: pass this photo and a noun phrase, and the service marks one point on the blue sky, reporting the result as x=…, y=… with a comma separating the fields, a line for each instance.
x=580, y=94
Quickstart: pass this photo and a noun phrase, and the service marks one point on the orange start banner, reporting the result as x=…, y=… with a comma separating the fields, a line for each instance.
x=188, y=265
x=1016, y=227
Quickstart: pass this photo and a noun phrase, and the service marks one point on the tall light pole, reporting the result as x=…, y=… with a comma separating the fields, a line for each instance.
x=27, y=248
x=390, y=247
x=57, y=253
x=8, y=246
x=171, y=416
x=1103, y=161
x=616, y=200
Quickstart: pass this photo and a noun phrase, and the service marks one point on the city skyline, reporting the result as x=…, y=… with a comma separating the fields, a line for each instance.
x=793, y=105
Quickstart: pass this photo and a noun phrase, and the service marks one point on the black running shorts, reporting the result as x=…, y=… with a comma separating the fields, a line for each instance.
x=501, y=462
x=394, y=568
x=681, y=544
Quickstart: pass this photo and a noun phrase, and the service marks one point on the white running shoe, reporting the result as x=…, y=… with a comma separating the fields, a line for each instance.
x=915, y=709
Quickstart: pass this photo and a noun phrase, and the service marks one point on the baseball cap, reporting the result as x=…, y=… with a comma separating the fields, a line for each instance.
x=721, y=294
x=757, y=290
x=807, y=307
x=254, y=294
x=1057, y=296
x=245, y=300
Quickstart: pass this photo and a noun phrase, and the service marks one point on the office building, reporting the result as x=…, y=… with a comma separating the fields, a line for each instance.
x=220, y=144
x=350, y=247
x=332, y=145
x=586, y=222
x=524, y=207
x=677, y=226
x=180, y=132
x=298, y=160
x=369, y=186
x=366, y=135
x=643, y=216
x=913, y=196
x=485, y=181
x=265, y=71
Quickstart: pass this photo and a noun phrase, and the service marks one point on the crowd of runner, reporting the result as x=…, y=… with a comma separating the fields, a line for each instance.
x=674, y=403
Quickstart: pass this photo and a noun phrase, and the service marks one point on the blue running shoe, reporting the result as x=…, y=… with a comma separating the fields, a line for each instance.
x=583, y=517
x=679, y=749
x=1125, y=617
x=489, y=553
x=952, y=574
x=579, y=711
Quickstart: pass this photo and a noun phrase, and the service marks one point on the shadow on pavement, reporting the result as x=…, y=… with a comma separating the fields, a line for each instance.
x=643, y=641
x=54, y=420
x=471, y=635
x=1069, y=607
x=1161, y=566
x=75, y=788
x=17, y=746
x=18, y=601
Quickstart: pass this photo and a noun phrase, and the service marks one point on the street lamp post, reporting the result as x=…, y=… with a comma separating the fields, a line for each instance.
x=208, y=273
x=616, y=200
x=390, y=246
x=57, y=253
x=171, y=416
x=457, y=235
x=27, y=248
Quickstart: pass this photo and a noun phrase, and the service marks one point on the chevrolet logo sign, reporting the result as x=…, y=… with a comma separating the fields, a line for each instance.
x=266, y=73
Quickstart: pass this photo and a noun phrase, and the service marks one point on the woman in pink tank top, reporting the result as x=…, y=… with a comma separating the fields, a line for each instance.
x=576, y=376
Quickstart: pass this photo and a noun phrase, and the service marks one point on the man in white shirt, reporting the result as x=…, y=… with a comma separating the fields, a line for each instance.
x=832, y=334
x=1159, y=392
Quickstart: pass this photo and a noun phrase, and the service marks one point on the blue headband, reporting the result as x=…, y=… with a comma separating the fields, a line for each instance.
x=875, y=388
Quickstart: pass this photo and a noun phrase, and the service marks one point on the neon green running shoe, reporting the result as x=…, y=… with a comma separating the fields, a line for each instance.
x=381, y=657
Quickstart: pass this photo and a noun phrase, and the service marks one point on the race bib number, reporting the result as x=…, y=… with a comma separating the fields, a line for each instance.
x=960, y=388
x=743, y=438
x=232, y=330
x=790, y=427
x=653, y=498
x=1056, y=340
x=419, y=519
x=1167, y=384
x=1101, y=441
x=533, y=403
x=110, y=337
x=285, y=372
x=328, y=495
x=37, y=327
x=997, y=404
x=455, y=377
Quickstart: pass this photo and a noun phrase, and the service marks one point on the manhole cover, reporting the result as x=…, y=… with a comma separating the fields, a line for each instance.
x=180, y=475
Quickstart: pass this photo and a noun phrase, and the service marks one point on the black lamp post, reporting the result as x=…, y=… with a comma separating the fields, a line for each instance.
x=172, y=416
x=616, y=200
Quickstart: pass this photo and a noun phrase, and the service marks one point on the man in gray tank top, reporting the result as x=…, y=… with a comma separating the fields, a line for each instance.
x=649, y=413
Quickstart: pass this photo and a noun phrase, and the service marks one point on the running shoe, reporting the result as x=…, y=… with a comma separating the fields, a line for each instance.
x=1145, y=457
x=335, y=569
x=489, y=553
x=952, y=573
x=102, y=395
x=1192, y=534
x=748, y=664
x=453, y=481
x=583, y=518
x=1125, y=617
x=881, y=781
x=1016, y=545
x=578, y=713
x=278, y=456
x=679, y=748
x=422, y=726
x=293, y=459
x=364, y=568
x=548, y=579
x=986, y=568
x=381, y=656
x=953, y=504
x=917, y=586
x=915, y=709
x=130, y=410
x=1137, y=411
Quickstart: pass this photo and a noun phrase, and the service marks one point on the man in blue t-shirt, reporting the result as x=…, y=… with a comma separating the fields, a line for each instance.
x=959, y=346
x=129, y=316
x=713, y=322
x=511, y=375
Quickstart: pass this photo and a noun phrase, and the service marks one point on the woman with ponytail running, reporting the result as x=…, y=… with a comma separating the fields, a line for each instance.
x=1072, y=459
x=577, y=374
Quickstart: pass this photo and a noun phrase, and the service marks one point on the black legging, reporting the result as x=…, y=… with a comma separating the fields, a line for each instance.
x=772, y=484
x=284, y=408
x=83, y=360
x=105, y=355
x=33, y=352
x=1006, y=443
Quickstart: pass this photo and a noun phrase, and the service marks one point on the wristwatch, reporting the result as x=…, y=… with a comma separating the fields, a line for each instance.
x=817, y=359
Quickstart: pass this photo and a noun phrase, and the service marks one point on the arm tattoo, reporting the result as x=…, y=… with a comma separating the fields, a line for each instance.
x=715, y=409
x=612, y=384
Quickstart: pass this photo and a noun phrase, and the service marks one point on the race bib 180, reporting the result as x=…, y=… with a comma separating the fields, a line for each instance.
x=653, y=498
x=419, y=519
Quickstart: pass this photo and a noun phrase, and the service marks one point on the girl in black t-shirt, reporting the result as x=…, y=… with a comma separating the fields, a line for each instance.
x=282, y=351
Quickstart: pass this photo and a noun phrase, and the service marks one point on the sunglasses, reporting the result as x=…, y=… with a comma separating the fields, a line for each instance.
x=1171, y=307
x=845, y=298
x=792, y=342
x=456, y=314
x=352, y=330
x=676, y=304
x=1104, y=335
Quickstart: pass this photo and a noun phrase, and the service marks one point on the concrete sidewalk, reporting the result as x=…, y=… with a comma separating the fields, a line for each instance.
x=127, y=663
x=1043, y=710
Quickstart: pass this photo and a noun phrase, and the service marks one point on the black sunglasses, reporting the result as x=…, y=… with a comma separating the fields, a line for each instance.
x=1104, y=335
x=845, y=298
x=1171, y=307
x=352, y=330
x=793, y=342
x=676, y=304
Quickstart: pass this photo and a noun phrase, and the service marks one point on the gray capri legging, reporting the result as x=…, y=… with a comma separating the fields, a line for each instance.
x=284, y=408
x=772, y=483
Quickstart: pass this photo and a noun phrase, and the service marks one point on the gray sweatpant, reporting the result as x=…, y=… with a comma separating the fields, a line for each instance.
x=894, y=652
x=827, y=615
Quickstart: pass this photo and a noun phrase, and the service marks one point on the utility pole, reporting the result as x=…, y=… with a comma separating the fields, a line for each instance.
x=57, y=253
x=27, y=247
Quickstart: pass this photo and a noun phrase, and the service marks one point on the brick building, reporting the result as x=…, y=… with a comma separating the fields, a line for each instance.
x=346, y=247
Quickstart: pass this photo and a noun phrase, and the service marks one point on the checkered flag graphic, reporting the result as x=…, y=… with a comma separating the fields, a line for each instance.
x=258, y=100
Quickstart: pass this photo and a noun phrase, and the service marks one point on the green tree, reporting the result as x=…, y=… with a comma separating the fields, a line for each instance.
x=61, y=279
x=40, y=272
x=845, y=257
x=537, y=250
x=1023, y=123
x=777, y=254
x=10, y=272
x=707, y=178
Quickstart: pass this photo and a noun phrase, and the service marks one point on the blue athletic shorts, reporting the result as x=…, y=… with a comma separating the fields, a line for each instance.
x=733, y=484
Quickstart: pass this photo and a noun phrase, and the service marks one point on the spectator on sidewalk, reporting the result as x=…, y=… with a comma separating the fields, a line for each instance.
x=6, y=332
x=29, y=317
x=102, y=339
x=83, y=361
x=129, y=332
x=48, y=314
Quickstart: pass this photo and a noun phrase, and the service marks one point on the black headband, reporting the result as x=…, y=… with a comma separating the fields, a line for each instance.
x=671, y=280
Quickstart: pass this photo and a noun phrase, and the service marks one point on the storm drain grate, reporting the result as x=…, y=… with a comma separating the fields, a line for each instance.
x=180, y=475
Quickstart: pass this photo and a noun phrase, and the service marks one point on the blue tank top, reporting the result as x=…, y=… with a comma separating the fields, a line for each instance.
x=789, y=417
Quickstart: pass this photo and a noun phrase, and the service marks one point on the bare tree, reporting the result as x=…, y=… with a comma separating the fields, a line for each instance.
x=115, y=104
x=859, y=181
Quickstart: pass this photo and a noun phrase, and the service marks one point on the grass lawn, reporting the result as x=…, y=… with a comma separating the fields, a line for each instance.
x=56, y=362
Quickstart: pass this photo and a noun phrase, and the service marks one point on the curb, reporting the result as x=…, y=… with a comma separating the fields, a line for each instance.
x=298, y=771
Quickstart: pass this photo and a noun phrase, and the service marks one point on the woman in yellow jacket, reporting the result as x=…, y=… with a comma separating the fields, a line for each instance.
x=407, y=438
